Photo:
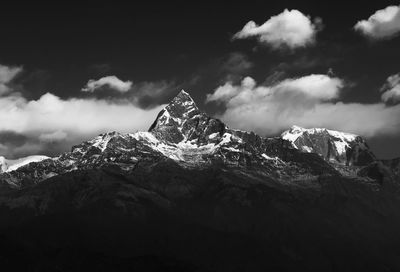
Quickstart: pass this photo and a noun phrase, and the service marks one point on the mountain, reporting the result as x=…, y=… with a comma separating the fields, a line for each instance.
x=184, y=134
x=192, y=194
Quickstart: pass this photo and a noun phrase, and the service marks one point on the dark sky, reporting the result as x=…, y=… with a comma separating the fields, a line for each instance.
x=61, y=45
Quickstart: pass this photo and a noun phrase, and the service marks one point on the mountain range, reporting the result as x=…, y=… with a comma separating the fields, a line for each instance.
x=192, y=194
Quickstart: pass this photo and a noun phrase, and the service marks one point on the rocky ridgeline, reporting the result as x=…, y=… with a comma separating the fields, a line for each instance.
x=184, y=135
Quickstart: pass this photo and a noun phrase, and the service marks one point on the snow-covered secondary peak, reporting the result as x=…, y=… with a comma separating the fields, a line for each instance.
x=295, y=132
x=11, y=165
x=335, y=146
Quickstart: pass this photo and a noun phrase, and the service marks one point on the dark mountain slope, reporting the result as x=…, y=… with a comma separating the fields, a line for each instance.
x=210, y=219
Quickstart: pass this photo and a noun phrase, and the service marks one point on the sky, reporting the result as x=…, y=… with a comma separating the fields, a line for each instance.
x=70, y=71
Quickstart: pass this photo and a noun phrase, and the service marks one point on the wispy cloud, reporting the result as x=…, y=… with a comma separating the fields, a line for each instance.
x=111, y=82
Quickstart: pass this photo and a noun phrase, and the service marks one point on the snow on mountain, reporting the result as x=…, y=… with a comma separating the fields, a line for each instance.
x=343, y=140
x=191, y=138
x=334, y=146
x=11, y=165
x=188, y=151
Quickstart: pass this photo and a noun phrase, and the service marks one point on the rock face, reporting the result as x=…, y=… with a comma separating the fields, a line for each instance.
x=336, y=147
x=192, y=194
x=182, y=121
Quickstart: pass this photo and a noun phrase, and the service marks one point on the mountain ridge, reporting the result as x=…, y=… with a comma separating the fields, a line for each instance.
x=185, y=134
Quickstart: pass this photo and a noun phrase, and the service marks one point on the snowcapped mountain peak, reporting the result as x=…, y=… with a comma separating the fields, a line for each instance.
x=183, y=96
x=181, y=121
x=334, y=146
x=181, y=106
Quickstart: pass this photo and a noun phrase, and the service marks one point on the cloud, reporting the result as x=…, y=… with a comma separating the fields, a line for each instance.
x=112, y=82
x=49, y=119
x=383, y=24
x=290, y=28
x=145, y=94
x=7, y=74
x=309, y=101
x=50, y=113
x=51, y=125
x=391, y=89
x=313, y=88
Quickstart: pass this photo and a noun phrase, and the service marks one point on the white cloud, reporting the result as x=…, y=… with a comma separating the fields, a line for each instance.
x=383, y=24
x=391, y=89
x=112, y=82
x=290, y=28
x=318, y=87
x=50, y=119
x=310, y=101
x=313, y=88
x=52, y=124
x=7, y=74
x=84, y=116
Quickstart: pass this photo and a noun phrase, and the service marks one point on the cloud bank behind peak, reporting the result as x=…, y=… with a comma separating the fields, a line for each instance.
x=309, y=101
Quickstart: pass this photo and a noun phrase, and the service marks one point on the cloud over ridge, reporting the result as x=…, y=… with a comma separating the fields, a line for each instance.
x=309, y=101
